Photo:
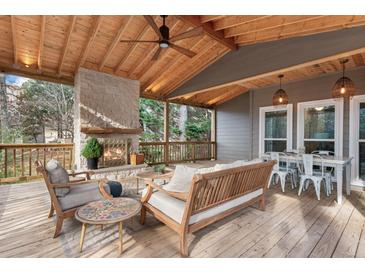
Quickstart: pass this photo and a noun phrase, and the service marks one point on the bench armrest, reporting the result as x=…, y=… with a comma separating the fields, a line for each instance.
x=152, y=186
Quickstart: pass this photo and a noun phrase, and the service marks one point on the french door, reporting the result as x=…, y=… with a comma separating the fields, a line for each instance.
x=357, y=139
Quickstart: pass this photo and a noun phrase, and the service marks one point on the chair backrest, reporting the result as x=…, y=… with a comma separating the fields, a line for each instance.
x=275, y=157
x=41, y=170
x=308, y=163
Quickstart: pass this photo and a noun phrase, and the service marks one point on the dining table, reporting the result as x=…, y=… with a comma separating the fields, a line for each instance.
x=341, y=165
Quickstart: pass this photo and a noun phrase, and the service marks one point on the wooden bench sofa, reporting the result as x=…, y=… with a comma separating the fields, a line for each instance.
x=212, y=196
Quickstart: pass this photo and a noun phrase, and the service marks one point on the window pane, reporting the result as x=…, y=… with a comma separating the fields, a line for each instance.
x=275, y=124
x=277, y=146
x=311, y=146
x=362, y=160
x=362, y=120
x=319, y=123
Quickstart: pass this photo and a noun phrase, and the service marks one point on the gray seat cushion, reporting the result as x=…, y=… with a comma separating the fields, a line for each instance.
x=58, y=175
x=81, y=195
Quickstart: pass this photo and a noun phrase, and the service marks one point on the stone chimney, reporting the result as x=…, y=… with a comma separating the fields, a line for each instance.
x=104, y=101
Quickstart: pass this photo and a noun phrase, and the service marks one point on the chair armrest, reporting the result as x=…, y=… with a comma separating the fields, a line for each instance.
x=71, y=184
x=87, y=173
x=152, y=186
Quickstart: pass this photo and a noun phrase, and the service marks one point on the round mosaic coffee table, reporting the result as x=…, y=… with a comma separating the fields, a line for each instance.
x=105, y=212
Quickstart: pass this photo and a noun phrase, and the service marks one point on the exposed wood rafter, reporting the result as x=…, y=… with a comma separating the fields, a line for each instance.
x=123, y=28
x=41, y=41
x=195, y=21
x=14, y=37
x=93, y=33
x=131, y=48
x=67, y=43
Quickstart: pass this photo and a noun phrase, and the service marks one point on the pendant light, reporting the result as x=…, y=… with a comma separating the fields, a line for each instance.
x=344, y=87
x=280, y=97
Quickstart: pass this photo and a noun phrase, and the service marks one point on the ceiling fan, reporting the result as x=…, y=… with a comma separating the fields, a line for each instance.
x=165, y=41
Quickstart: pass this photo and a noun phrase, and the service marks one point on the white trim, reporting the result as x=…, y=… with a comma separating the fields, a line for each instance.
x=289, y=126
x=354, y=138
x=338, y=103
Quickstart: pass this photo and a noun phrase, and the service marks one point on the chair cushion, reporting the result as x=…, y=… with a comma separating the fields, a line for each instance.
x=81, y=195
x=58, y=175
x=174, y=208
x=181, y=180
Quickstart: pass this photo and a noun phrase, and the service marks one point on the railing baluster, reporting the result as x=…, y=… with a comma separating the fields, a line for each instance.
x=30, y=162
x=6, y=162
x=14, y=162
x=22, y=159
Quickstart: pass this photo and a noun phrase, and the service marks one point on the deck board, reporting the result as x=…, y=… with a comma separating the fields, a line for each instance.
x=291, y=226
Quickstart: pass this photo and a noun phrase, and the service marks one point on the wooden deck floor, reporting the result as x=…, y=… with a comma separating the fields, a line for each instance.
x=290, y=227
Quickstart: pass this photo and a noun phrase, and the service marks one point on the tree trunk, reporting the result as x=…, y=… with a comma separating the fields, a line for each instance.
x=182, y=120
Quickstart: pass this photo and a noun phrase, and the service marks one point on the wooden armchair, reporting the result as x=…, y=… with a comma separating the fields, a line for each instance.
x=62, y=211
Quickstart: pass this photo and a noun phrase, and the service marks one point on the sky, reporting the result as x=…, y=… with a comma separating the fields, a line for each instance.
x=14, y=80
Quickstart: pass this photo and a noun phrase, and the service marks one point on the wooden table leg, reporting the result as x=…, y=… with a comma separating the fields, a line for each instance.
x=137, y=185
x=83, y=231
x=120, y=237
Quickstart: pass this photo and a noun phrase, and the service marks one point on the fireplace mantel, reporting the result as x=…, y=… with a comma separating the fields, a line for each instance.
x=110, y=130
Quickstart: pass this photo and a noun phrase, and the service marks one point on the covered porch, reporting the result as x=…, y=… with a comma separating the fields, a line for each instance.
x=233, y=74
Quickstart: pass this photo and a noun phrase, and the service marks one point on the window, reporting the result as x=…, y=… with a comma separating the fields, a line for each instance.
x=276, y=128
x=357, y=139
x=320, y=125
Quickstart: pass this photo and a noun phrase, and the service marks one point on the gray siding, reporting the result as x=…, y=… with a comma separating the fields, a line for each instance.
x=301, y=91
x=234, y=129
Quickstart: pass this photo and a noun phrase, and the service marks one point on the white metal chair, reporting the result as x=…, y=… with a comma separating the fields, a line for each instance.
x=281, y=173
x=308, y=175
x=327, y=171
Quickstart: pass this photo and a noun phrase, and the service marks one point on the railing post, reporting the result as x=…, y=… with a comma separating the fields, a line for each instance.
x=166, y=131
x=193, y=152
x=213, y=134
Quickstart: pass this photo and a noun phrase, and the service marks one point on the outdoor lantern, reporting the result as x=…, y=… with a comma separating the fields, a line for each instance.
x=344, y=87
x=280, y=97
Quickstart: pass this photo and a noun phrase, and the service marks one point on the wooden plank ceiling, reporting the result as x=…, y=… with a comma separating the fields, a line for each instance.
x=55, y=47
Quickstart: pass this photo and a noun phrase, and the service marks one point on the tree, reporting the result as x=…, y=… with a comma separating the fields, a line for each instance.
x=44, y=104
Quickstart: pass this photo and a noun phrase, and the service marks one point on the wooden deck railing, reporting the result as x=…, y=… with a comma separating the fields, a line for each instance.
x=17, y=160
x=175, y=152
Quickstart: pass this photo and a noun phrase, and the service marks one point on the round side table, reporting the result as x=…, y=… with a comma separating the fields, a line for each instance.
x=113, y=211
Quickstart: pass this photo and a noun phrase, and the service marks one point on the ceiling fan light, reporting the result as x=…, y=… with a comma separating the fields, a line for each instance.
x=164, y=45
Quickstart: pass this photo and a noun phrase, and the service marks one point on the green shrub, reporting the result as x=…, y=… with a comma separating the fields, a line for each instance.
x=92, y=149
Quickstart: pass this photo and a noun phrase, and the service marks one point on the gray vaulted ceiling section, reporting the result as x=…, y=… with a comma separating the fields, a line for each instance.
x=261, y=58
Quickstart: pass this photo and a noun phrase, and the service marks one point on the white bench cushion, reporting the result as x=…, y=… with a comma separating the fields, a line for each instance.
x=174, y=208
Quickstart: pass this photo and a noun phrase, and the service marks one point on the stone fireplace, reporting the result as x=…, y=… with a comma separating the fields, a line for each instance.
x=106, y=107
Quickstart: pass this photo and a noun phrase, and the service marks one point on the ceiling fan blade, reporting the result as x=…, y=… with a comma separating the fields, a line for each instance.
x=190, y=33
x=141, y=41
x=184, y=51
x=157, y=54
x=153, y=25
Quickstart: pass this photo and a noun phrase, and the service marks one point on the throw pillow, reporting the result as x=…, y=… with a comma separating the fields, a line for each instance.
x=181, y=180
x=58, y=175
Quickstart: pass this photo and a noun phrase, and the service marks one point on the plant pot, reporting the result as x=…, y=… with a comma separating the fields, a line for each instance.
x=92, y=163
x=137, y=159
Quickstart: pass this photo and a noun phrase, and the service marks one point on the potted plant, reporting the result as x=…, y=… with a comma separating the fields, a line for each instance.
x=136, y=158
x=92, y=152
